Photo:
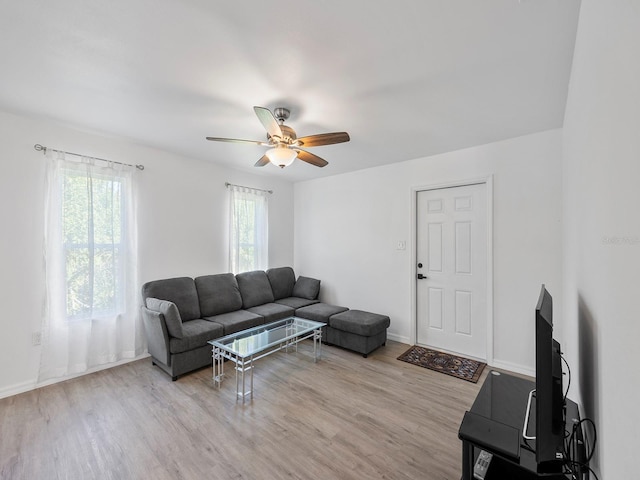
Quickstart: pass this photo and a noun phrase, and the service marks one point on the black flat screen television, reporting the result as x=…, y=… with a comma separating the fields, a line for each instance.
x=549, y=396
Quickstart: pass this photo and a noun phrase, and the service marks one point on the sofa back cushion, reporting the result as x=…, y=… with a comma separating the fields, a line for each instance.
x=218, y=294
x=172, y=318
x=281, y=280
x=306, y=287
x=254, y=288
x=181, y=291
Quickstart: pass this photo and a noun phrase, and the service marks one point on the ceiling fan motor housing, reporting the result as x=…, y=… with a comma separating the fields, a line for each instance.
x=288, y=135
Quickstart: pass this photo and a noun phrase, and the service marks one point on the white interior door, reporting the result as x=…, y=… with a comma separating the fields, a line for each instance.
x=452, y=259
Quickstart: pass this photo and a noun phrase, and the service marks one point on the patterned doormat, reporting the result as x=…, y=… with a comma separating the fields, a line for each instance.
x=459, y=367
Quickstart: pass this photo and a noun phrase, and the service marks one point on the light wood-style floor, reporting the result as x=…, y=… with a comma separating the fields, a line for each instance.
x=345, y=417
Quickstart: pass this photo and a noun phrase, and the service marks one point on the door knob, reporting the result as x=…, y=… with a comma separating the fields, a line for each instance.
x=421, y=276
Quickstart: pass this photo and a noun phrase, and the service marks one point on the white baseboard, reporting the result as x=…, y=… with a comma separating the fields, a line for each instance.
x=513, y=367
x=18, y=388
x=27, y=386
x=398, y=338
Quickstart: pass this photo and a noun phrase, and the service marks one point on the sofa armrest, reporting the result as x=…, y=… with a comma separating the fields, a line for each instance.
x=157, y=335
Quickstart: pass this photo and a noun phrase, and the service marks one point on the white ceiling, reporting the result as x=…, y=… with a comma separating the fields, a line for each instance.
x=405, y=78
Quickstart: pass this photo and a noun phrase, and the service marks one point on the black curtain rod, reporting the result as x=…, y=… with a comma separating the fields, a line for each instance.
x=40, y=148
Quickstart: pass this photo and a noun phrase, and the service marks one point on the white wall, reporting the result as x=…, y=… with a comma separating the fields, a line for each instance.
x=182, y=225
x=347, y=228
x=602, y=228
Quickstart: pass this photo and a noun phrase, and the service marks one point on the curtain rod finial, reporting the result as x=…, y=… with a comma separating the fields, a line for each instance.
x=40, y=148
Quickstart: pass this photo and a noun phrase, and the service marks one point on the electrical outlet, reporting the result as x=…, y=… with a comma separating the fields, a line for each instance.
x=36, y=338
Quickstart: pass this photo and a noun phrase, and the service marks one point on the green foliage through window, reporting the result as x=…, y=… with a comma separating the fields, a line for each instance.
x=92, y=235
x=247, y=235
x=249, y=230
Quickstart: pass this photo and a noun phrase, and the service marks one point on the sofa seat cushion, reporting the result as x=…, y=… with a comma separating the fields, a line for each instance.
x=272, y=311
x=319, y=312
x=254, y=288
x=171, y=315
x=181, y=291
x=282, y=280
x=218, y=294
x=233, y=322
x=196, y=333
x=306, y=287
x=360, y=323
x=296, y=302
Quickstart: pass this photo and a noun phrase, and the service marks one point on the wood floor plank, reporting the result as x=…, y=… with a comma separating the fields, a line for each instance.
x=345, y=417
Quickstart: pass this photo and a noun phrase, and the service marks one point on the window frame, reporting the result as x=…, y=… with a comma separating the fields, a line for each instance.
x=257, y=225
x=117, y=294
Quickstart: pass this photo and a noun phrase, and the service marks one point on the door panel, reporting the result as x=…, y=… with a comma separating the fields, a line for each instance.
x=434, y=260
x=462, y=247
x=452, y=245
x=435, y=308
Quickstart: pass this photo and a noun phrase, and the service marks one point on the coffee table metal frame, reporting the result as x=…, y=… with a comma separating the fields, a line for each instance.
x=245, y=347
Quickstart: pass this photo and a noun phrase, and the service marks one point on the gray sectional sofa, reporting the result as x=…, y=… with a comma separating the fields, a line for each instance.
x=182, y=314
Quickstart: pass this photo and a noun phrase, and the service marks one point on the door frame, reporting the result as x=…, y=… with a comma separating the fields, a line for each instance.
x=488, y=182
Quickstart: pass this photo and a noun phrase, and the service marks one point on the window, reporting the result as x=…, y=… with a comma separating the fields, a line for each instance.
x=92, y=232
x=248, y=232
x=92, y=311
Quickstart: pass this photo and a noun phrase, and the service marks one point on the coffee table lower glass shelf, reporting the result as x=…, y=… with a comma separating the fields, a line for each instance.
x=245, y=347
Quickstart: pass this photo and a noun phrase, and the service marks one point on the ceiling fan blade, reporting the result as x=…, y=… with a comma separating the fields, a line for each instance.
x=237, y=140
x=311, y=158
x=262, y=162
x=323, y=139
x=268, y=121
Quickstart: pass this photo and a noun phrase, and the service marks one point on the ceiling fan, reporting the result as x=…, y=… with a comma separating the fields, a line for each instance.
x=284, y=143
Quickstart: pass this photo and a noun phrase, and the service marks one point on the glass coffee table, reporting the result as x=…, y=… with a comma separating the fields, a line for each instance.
x=245, y=347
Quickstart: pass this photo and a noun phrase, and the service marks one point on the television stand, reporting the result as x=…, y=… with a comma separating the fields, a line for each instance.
x=494, y=425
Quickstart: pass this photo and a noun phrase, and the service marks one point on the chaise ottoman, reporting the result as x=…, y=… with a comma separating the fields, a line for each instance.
x=357, y=330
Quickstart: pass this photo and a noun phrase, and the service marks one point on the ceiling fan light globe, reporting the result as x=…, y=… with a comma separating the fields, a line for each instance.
x=281, y=157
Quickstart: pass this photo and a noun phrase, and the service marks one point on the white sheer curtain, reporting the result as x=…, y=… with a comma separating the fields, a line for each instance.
x=91, y=309
x=248, y=229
